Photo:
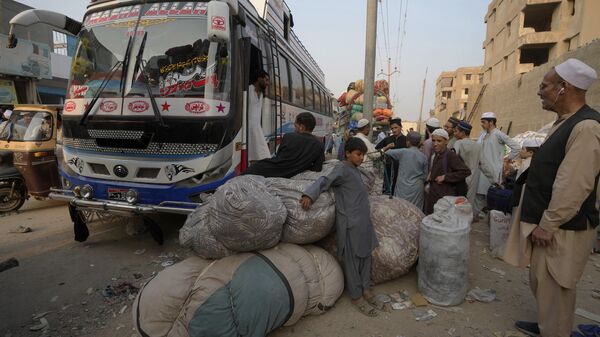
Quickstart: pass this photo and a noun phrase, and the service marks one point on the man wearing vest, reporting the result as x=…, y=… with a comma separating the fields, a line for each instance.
x=558, y=212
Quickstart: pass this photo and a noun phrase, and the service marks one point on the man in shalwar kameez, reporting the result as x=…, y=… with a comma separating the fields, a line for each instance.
x=469, y=151
x=558, y=211
x=355, y=236
x=493, y=142
x=412, y=170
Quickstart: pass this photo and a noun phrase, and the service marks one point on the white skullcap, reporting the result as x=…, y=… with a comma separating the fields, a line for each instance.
x=487, y=115
x=577, y=73
x=531, y=142
x=7, y=114
x=362, y=123
x=441, y=133
x=433, y=122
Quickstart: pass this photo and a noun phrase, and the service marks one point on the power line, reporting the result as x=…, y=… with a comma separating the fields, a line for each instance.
x=399, y=31
x=385, y=38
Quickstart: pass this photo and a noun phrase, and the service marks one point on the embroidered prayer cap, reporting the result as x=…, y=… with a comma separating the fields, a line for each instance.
x=441, y=133
x=488, y=115
x=454, y=120
x=464, y=126
x=577, y=73
x=433, y=122
x=531, y=142
x=362, y=123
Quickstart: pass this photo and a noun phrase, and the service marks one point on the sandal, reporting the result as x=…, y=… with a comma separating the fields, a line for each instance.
x=377, y=303
x=364, y=308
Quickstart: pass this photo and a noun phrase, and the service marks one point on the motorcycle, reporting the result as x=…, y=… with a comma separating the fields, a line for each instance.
x=13, y=191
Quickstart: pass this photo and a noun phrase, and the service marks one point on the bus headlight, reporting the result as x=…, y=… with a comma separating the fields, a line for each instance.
x=131, y=196
x=87, y=192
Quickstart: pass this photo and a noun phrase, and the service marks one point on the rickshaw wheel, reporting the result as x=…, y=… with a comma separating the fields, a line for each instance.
x=8, y=204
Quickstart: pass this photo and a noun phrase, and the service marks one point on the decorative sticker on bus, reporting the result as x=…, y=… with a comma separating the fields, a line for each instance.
x=218, y=23
x=70, y=106
x=197, y=107
x=157, y=10
x=138, y=106
x=108, y=106
x=78, y=91
x=176, y=82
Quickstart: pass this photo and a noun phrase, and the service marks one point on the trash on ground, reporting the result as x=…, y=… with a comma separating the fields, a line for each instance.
x=89, y=291
x=400, y=296
x=481, y=295
x=35, y=317
x=402, y=305
x=44, y=325
x=424, y=315
x=495, y=270
x=54, y=299
x=139, y=252
x=419, y=300
x=167, y=263
x=596, y=293
x=586, y=314
x=20, y=229
x=123, y=289
x=123, y=309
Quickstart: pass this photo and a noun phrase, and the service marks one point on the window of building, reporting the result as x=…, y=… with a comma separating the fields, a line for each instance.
x=536, y=55
x=297, y=86
x=447, y=94
x=539, y=17
x=465, y=106
x=572, y=7
x=284, y=78
x=508, y=29
x=466, y=92
x=59, y=42
x=309, y=98
x=467, y=77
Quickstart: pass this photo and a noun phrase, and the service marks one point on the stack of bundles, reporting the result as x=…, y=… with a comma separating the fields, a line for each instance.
x=444, y=252
x=396, y=223
x=249, y=294
x=381, y=102
x=242, y=215
x=355, y=101
x=302, y=226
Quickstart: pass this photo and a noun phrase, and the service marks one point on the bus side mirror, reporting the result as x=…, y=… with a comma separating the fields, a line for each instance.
x=218, y=21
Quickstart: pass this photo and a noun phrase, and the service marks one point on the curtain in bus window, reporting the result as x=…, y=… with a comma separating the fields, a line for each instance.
x=310, y=100
x=297, y=86
x=318, y=105
x=285, y=79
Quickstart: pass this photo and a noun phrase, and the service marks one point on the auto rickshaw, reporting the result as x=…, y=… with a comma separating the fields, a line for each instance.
x=30, y=134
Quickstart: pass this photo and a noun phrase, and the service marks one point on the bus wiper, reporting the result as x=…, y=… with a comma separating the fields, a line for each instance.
x=139, y=62
x=113, y=70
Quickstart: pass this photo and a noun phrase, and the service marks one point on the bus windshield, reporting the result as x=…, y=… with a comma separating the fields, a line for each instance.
x=170, y=55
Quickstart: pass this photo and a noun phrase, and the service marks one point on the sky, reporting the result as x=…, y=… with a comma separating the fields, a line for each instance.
x=435, y=35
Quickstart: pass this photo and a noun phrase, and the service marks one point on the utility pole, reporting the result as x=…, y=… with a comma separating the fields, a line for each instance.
x=370, y=47
x=422, y=98
x=389, y=73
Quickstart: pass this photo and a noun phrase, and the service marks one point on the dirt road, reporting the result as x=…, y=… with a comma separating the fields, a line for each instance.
x=67, y=281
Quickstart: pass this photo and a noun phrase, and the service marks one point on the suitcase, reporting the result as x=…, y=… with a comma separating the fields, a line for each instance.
x=498, y=199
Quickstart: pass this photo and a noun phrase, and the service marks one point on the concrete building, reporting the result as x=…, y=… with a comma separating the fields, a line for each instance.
x=523, y=34
x=452, y=92
x=37, y=70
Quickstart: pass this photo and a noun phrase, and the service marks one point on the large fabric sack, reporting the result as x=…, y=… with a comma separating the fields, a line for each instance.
x=249, y=294
x=196, y=234
x=302, y=226
x=396, y=223
x=245, y=216
x=444, y=252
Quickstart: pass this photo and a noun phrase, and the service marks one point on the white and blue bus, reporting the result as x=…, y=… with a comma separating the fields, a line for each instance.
x=155, y=115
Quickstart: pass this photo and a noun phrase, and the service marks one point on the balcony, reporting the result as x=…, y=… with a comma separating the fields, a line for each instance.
x=528, y=36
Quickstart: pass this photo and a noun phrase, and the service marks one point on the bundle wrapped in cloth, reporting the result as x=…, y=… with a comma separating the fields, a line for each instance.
x=245, y=215
x=242, y=215
x=303, y=226
x=396, y=223
x=249, y=294
x=368, y=176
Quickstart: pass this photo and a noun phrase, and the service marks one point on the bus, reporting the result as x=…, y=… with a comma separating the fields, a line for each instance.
x=155, y=116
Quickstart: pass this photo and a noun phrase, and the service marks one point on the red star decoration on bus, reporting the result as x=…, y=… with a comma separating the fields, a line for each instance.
x=165, y=106
x=85, y=106
x=220, y=107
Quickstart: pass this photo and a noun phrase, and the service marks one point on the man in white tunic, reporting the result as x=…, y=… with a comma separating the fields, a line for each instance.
x=493, y=143
x=469, y=151
x=257, y=144
x=372, y=154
